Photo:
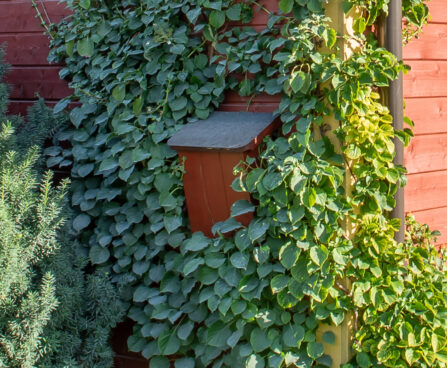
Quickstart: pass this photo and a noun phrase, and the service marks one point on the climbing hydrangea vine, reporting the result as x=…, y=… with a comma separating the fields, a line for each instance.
x=142, y=69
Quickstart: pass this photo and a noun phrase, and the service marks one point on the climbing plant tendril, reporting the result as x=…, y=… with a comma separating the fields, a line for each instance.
x=142, y=69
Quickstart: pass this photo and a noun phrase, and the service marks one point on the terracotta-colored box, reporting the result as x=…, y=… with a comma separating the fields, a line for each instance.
x=212, y=148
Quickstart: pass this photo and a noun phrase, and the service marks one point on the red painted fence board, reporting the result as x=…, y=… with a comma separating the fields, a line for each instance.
x=27, y=52
x=27, y=81
x=19, y=16
x=429, y=47
x=26, y=48
x=426, y=191
x=438, y=11
x=427, y=153
x=425, y=89
x=429, y=114
x=426, y=79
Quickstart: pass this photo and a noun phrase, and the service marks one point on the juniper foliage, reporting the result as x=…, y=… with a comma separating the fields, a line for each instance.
x=52, y=312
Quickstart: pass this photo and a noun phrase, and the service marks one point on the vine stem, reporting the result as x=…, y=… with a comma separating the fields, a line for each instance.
x=262, y=7
x=40, y=17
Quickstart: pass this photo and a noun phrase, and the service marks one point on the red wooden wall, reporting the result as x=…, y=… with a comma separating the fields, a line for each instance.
x=425, y=90
x=27, y=51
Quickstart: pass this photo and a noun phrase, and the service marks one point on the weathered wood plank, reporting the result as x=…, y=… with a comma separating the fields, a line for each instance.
x=26, y=48
x=19, y=15
x=431, y=46
x=26, y=82
x=427, y=153
x=436, y=219
x=429, y=114
x=426, y=191
x=426, y=79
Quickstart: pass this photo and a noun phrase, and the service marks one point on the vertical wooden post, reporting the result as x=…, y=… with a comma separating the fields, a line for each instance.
x=340, y=352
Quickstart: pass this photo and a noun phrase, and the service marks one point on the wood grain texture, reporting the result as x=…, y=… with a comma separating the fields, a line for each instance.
x=426, y=191
x=427, y=153
x=26, y=82
x=18, y=15
x=26, y=48
x=429, y=114
x=438, y=11
x=430, y=46
x=426, y=79
x=436, y=219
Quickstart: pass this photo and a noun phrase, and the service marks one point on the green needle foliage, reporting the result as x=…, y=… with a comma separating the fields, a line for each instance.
x=52, y=314
x=142, y=69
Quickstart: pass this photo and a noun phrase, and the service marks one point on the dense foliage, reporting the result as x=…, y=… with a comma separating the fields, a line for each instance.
x=51, y=313
x=321, y=243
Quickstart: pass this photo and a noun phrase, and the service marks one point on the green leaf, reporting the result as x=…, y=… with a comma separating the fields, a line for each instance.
x=184, y=363
x=201, y=61
x=363, y=360
x=297, y=81
x=359, y=25
x=215, y=260
x=207, y=276
x=308, y=197
x=411, y=356
x=192, y=265
x=286, y=299
x=85, y=4
x=218, y=334
x=197, y=242
x=278, y=283
x=254, y=361
x=286, y=6
x=185, y=330
x=288, y=255
x=314, y=6
x=99, y=255
x=109, y=164
x=234, y=12
x=241, y=207
x=217, y=18
x=259, y=340
x=296, y=214
x=330, y=37
x=257, y=228
x=441, y=356
x=159, y=362
x=239, y=260
x=137, y=105
x=315, y=349
x=329, y=338
x=69, y=49
x=272, y=180
x=293, y=335
x=168, y=342
x=85, y=47
x=81, y=221
x=119, y=92
x=337, y=317
x=319, y=254
x=172, y=223
x=234, y=339
x=143, y=293
x=178, y=104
